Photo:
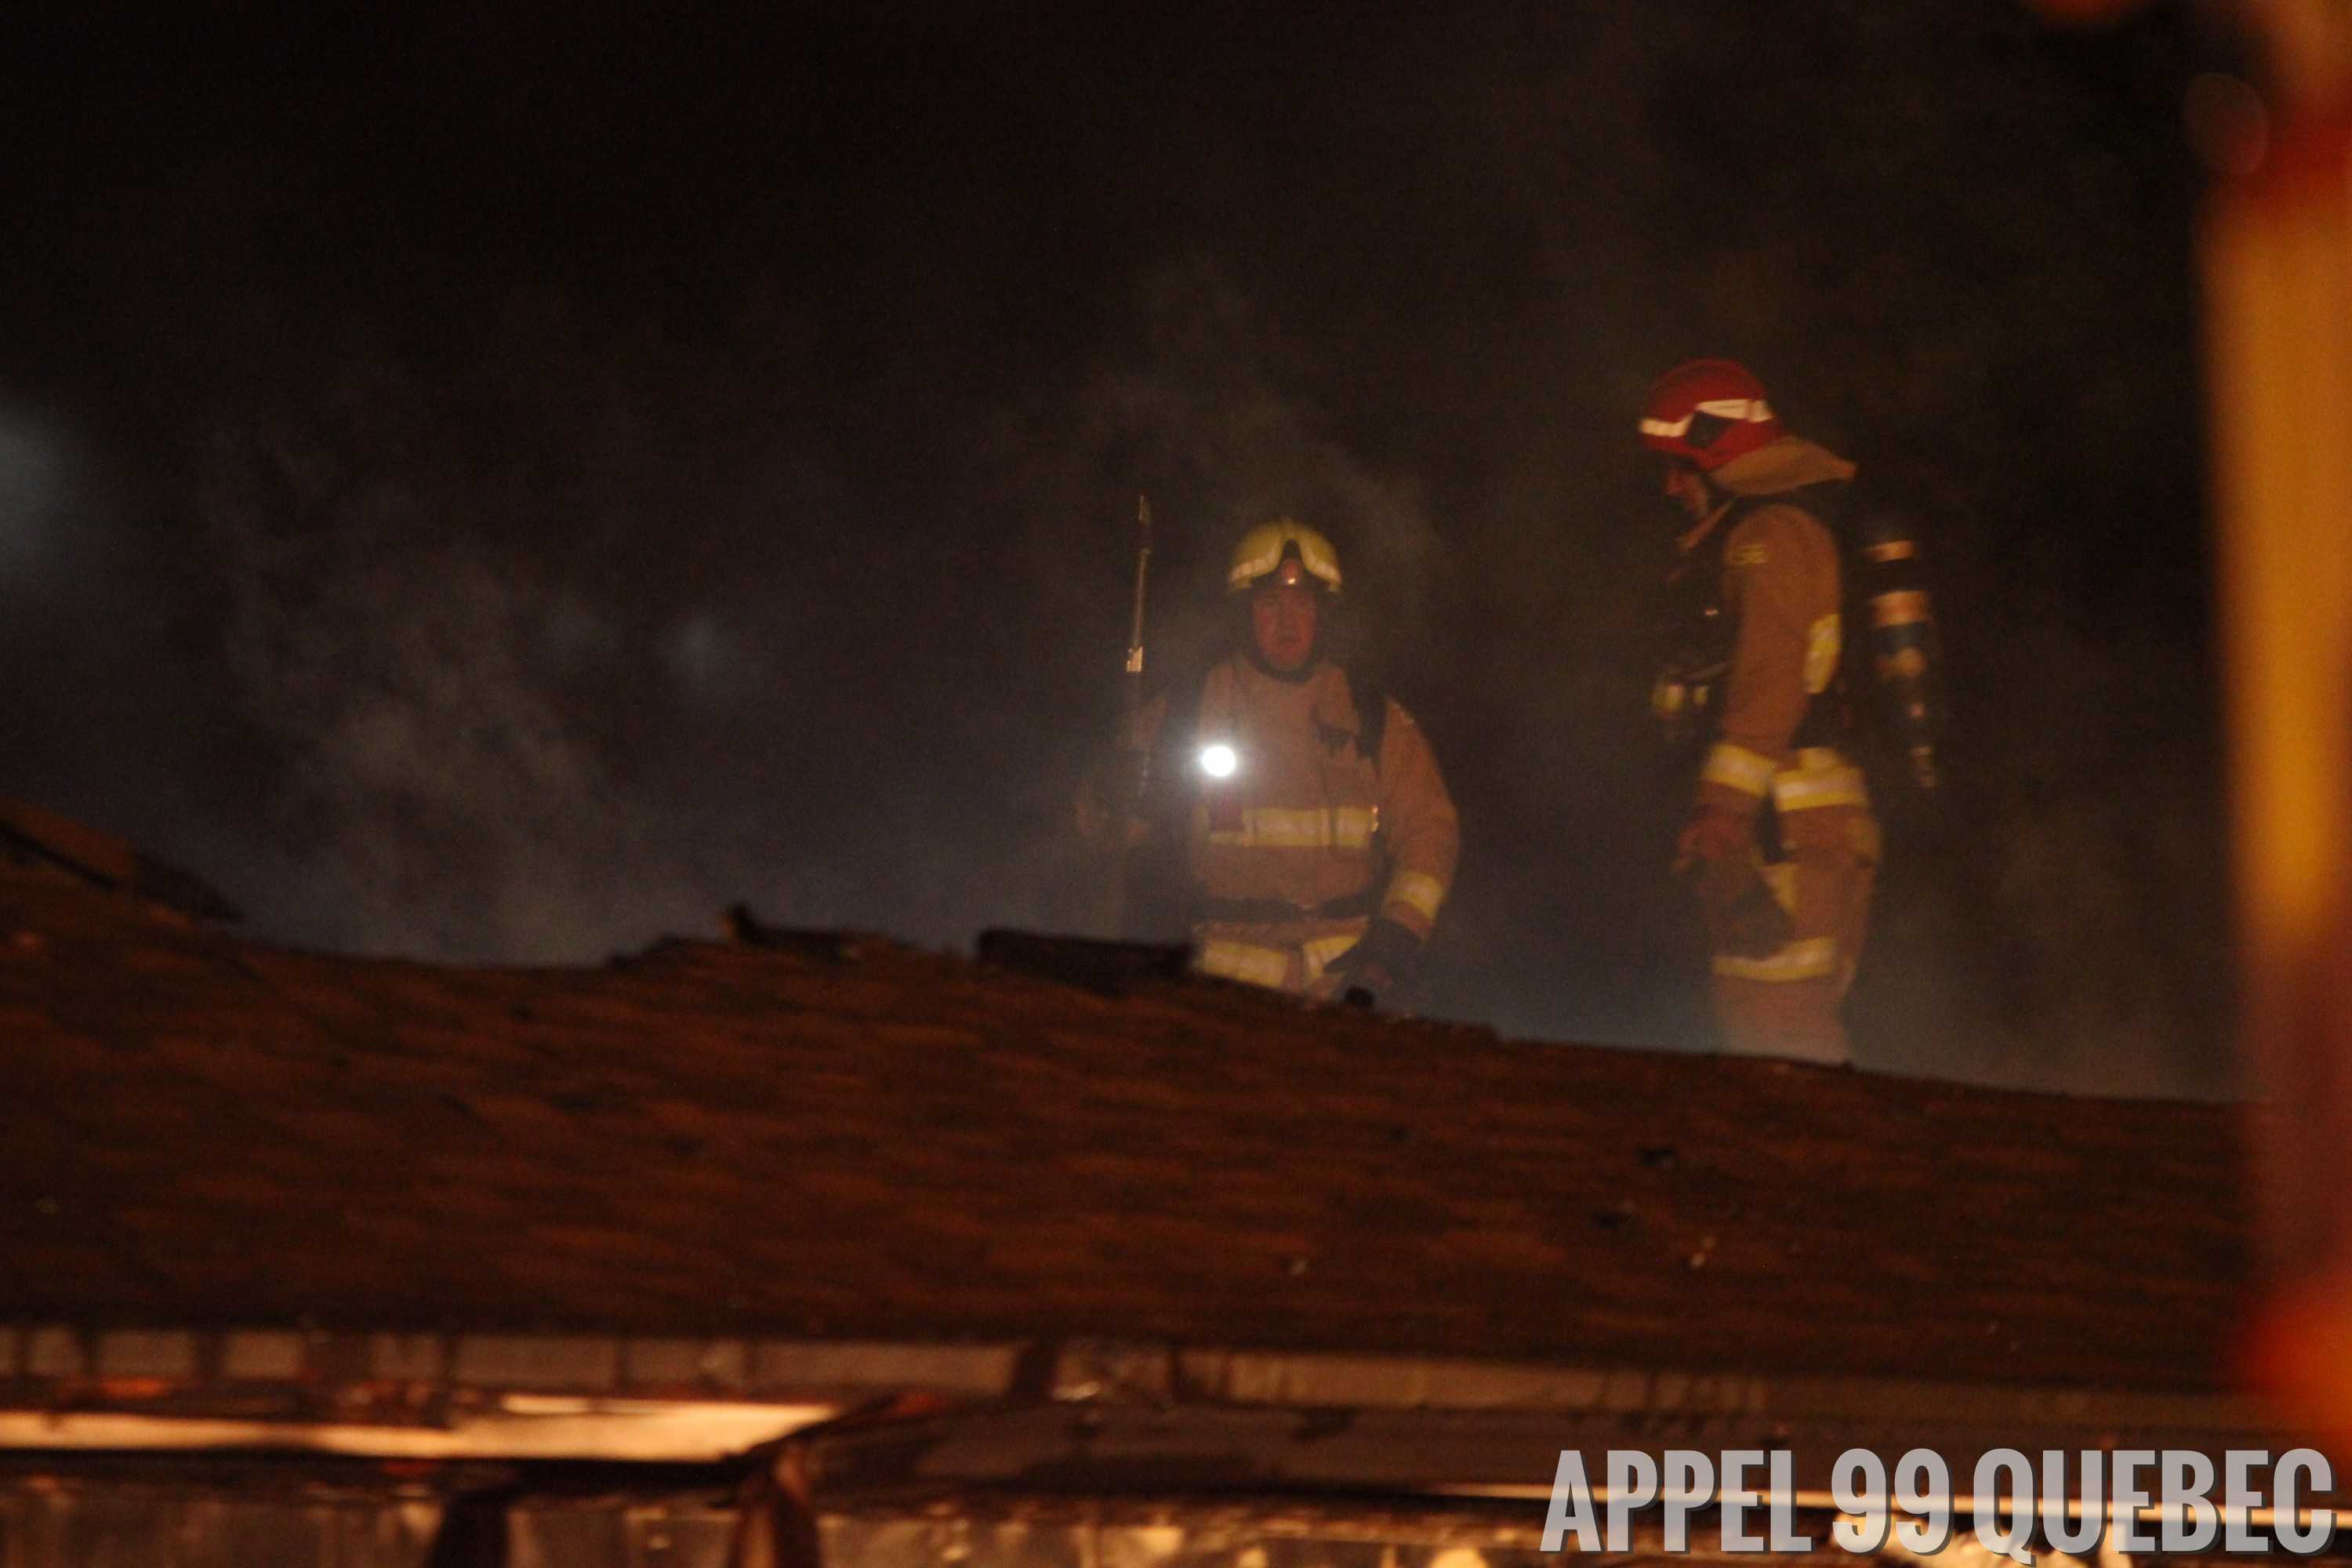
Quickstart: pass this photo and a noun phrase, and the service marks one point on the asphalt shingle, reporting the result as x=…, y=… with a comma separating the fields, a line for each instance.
x=203, y=1131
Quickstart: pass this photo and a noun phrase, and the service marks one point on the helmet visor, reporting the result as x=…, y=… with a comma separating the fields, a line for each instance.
x=1267, y=548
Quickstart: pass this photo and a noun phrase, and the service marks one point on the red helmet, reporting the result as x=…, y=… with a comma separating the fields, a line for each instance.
x=1708, y=412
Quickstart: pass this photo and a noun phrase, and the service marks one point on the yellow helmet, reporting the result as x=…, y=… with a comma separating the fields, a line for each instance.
x=1264, y=550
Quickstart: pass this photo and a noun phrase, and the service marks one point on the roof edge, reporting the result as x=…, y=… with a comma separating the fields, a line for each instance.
x=390, y=1382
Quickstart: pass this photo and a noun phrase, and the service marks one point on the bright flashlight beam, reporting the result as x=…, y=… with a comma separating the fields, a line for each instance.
x=1219, y=760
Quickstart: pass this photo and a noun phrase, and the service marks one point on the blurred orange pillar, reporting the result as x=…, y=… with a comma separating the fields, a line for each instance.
x=2278, y=261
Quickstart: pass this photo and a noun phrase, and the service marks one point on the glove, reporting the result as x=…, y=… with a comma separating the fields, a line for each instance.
x=1747, y=920
x=1714, y=836
x=1383, y=958
x=1717, y=853
x=1110, y=799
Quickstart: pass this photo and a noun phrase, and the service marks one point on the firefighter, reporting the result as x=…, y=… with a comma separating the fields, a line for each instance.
x=1780, y=843
x=1314, y=839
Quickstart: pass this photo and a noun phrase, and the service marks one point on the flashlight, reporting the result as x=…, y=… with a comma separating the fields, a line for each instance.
x=1219, y=760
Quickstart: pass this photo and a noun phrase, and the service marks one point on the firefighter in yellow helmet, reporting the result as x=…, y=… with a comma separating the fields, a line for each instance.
x=1313, y=836
x=1786, y=933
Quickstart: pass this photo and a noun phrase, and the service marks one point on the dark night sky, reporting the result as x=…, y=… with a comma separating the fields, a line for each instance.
x=496, y=489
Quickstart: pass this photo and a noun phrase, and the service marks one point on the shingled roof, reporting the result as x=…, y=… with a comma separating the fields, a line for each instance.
x=711, y=1159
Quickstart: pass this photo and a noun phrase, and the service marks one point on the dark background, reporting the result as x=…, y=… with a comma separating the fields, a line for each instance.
x=488, y=487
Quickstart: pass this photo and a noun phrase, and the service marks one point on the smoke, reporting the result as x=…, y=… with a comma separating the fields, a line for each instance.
x=538, y=563
x=36, y=479
x=1198, y=403
x=441, y=794
x=2064, y=925
x=577, y=635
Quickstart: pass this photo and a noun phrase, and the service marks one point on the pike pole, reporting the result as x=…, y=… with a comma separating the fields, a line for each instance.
x=1147, y=878
x=1135, y=627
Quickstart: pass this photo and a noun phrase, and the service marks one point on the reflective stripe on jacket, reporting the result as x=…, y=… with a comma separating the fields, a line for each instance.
x=1305, y=821
x=1781, y=594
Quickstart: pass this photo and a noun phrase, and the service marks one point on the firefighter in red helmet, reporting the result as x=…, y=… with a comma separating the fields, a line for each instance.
x=1780, y=841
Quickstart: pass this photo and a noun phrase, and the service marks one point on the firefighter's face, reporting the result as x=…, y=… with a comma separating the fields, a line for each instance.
x=1283, y=617
x=1687, y=487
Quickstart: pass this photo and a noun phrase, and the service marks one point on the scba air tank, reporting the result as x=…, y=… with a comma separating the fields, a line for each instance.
x=1906, y=656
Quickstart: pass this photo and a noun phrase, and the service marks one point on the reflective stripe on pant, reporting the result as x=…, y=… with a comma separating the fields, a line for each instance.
x=1787, y=1004
x=1247, y=962
x=1279, y=967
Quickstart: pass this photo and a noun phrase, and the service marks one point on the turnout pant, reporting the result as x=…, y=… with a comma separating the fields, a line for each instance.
x=1787, y=1004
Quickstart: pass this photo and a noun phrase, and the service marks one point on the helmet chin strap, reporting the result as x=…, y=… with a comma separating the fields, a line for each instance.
x=1307, y=667
x=1686, y=542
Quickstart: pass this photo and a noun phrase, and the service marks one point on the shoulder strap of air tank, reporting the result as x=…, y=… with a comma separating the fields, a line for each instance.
x=1371, y=699
x=1834, y=503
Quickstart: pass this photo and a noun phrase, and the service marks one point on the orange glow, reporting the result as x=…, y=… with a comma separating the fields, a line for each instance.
x=2300, y=1352
x=2278, y=261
